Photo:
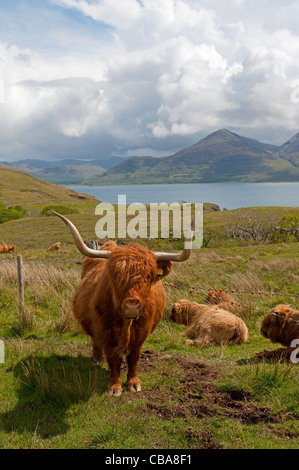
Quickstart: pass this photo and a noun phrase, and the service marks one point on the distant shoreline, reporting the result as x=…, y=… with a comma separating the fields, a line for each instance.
x=226, y=195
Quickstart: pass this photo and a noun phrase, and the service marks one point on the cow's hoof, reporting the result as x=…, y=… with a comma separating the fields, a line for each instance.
x=188, y=341
x=263, y=354
x=115, y=391
x=258, y=355
x=134, y=385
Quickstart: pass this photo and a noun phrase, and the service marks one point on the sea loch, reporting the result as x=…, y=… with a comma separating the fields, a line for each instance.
x=226, y=195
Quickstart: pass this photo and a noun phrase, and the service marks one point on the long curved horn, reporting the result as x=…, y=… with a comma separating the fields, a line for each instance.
x=185, y=254
x=80, y=243
x=176, y=257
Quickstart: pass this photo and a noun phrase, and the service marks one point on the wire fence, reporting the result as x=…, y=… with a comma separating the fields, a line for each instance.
x=13, y=263
x=195, y=288
x=192, y=289
x=14, y=271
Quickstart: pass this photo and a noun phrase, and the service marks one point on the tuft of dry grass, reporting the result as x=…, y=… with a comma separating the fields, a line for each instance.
x=48, y=293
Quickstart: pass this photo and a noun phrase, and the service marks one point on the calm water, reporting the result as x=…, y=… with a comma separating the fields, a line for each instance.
x=226, y=195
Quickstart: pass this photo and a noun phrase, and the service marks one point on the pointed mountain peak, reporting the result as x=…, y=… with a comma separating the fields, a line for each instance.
x=222, y=134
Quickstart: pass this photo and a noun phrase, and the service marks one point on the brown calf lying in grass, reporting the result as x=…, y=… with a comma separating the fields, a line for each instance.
x=222, y=300
x=280, y=325
x=7, y=248
x=208, y=324
x=55, y=247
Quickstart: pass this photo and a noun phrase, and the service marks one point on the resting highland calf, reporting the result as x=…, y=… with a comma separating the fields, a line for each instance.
x=6, y=248
x=280, y=325
x=120, y=300
x=222, y=300
x=208, y=324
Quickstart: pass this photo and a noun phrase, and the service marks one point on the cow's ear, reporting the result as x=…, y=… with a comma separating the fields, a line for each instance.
x=163, y=268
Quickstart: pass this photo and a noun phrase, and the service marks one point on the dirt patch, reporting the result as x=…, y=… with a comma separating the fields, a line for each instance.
x=199, y=397
x=43, y=193
x=77, y=196
x=204, y=439
x=148, y=360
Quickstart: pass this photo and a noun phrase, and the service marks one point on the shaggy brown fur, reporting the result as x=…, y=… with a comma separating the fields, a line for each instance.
x=222, y=300
x=216, y=296
x=55, y=247
x=278, y=326
x=7, y=248
x=119, y=302
x=208, y=324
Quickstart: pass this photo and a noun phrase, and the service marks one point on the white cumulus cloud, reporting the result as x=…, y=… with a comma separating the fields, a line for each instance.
x=148, y=74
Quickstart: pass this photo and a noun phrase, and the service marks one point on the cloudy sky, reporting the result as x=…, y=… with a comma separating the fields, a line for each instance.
x=93, y=78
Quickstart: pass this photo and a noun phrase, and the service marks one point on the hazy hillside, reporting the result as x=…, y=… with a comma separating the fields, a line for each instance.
x=68, y=171
x=102, y=162
x=221, y=156
x=60, y=174
x=134, y=164
x=66, y=174
x=290, y=150
x=17, y=187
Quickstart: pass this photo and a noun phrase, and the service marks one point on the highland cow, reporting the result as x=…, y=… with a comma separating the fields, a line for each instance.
x=120, y=301
x=280, y=325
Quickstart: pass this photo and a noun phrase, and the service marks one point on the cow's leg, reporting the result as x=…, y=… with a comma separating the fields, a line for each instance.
x=97, y=348
x=115, y=388
x=190, y=331
x=133, y=382
x=97, y=353
x=281, y=353
x=200, y=341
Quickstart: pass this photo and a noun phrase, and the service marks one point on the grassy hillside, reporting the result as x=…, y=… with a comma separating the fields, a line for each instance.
x=60, y=174
x=17, y=187
x=33, y=196
x=38, y=233
x=219, y=397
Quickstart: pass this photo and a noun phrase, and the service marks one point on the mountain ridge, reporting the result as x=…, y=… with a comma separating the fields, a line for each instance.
x=67, y=171
x=221, y=156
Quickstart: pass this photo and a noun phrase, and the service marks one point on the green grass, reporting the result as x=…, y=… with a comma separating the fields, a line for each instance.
x=52, y=395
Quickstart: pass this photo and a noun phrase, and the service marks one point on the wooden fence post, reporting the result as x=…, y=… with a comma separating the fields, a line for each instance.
x=21, y=287
x=2, y=352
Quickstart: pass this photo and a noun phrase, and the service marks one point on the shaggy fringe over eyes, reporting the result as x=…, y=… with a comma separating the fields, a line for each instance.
x=131, y=265
x=277, y=325
x=283, y=310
